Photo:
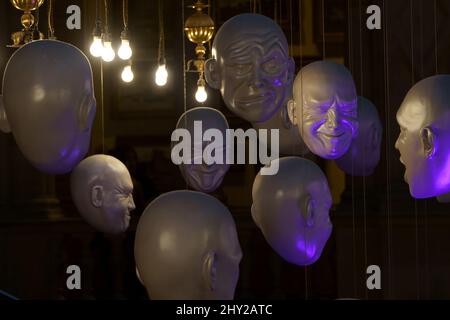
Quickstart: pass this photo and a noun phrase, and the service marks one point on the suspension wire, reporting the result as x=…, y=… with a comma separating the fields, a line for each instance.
x=161, y=45
x=323, y=29
x=387, y=113
x=50, y=21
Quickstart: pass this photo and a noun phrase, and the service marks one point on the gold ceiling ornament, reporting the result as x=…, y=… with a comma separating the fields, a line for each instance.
x=199, y=29
x=28, y=21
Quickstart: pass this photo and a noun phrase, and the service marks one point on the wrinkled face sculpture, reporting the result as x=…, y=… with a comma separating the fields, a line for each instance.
x=186, y=247
x=325, y=108
x=363, y=155
x=203, y=177
x=251, y=67
x=292, y=210
x=49, y=104
x=102, y=191
x=424, y=140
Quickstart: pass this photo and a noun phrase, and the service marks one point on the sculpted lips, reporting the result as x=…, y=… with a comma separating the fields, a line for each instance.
x=254, y=99
x=332, y=135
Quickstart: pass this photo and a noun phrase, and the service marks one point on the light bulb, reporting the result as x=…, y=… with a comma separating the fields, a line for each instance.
x=201, y=94
x=125, y=51
x=108, y=52
x=161, y=75
x=127, y=74
x=96, y=48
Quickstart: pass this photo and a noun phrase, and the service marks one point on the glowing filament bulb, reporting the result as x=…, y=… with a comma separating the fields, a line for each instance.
x=108, y=52
x=201, y=94
x=127, y=74
x=161, y=75
x=96, y=48
x=125, y=51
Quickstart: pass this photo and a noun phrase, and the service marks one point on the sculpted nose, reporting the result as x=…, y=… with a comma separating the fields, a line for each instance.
x=256, y=77
x=131, y=204
x=331, y=119
x=397, y=143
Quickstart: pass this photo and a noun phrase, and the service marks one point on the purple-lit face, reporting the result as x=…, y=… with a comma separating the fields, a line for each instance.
x=251, y=67
x=326, y=108
x=292, y=210
x=424, y=139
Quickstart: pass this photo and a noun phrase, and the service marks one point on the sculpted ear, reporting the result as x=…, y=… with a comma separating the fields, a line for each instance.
x=427, y=137
x=86, y=112
x=210, y=270
x=97, y=196
x=212, y=73
x=4, y=123
x=292, y=112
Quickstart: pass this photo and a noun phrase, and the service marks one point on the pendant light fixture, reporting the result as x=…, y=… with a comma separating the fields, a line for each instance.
x=161, y=74
x=96, y=48
x=199, y=29
x=26, y=35
x=125, y=51
x=108, y=53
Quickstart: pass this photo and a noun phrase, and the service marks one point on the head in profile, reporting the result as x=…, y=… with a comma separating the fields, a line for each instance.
x=324, y=108
x=200, y=173
x=186, y=248
x=102, y=191
x=363, y=156
x=291, y=209
x=424, y=139
x=48, y=104
x=251, y=67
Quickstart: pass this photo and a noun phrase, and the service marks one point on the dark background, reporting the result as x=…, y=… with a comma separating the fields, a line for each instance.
x=375, y=219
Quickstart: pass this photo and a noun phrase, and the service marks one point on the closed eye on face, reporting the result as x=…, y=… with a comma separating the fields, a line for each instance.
x=241, y=69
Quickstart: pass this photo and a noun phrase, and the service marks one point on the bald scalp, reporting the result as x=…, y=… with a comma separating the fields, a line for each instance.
x=427, y=103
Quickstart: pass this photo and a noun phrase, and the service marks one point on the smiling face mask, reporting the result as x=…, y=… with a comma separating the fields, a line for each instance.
x=325, y=108
x=251, y=67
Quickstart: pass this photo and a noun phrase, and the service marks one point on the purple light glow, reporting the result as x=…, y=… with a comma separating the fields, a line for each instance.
x=307, y=248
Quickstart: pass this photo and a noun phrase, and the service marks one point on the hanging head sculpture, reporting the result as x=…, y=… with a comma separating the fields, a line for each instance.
x=187, y=248
x=202, y=176
x=363, y=155
x=102, y=191
x=292, y=210
x=325, y=108
x=251, y=66
x=424, y=140
x=252, y=69
x=48, y=103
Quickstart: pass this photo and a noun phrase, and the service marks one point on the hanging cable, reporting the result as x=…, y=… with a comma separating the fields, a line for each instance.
x=416, y=211
x=435, y=38
x=125, y=14
x=387, y=123
x=161, y=47
x=50, y=20
x=361, y=68
x=350, y=63
x=300, y=31
x=323, y=29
